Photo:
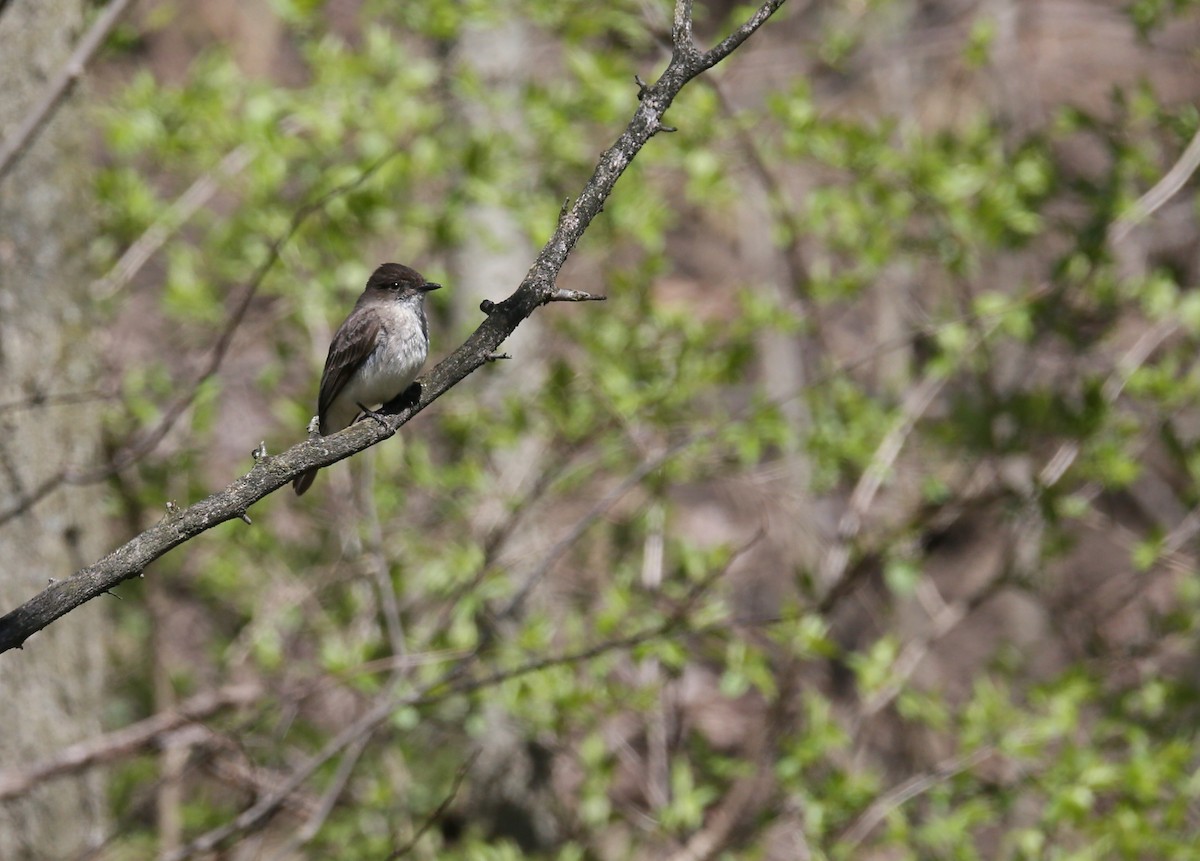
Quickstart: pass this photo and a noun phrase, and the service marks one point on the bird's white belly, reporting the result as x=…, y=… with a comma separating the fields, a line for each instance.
x=385, y=374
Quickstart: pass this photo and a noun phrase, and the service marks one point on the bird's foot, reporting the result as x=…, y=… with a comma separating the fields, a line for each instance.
x=379, y=417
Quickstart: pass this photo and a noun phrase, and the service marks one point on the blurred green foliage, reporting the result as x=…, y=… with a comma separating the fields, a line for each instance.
x=1074, y=765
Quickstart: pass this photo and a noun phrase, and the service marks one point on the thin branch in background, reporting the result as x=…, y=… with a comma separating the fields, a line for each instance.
x=780, y=205
x=177, y=214
x=1162, y=191
x=598, y=510
x=944, y=619
x=132, y=740
x=436, y=816
x=270, y=802
x=650, y=674
x=750, y=793
x=68, y=76
x=1129, y=363
x=494, y=541
x=331, y=795
x=41, y=401
x=28, y=499
x=883, y=806
x=835, y=562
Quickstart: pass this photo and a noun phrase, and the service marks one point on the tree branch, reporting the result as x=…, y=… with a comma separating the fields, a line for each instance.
x=125, y=742
x=271, y=473
x=65, y=81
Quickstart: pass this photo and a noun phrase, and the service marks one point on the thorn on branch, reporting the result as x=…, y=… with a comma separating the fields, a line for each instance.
x=172, y=508
x=314, y=427
x=113, y=595
x=564, y=209
x=260, y=453
x=643, y=87
x=496, y=357
x=487, y=306
x=245, y=518
x=575, y=296
x=662, y=127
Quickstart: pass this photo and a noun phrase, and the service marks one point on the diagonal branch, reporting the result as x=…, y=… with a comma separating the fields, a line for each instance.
x=125, y=742
x=271, y=473
x=68, y=76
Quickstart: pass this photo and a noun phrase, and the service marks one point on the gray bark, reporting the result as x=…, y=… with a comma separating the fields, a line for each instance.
x=51, y=694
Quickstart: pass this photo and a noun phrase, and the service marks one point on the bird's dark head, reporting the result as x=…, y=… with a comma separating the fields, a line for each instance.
x=399, y=281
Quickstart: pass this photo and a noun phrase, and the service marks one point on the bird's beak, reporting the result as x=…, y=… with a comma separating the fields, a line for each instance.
x=429, y=285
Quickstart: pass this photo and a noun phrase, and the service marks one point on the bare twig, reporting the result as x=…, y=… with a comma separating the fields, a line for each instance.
x=584, y=523
x=1163, y=190
x=941, y=622
x=1129, y=363
x=66, y=79
x=433, y=818
x=561, y=295
x=39, y=401
x=336, y=787
x=919, y=784
x=184, y=207
x=129, y=741
x=837, y=557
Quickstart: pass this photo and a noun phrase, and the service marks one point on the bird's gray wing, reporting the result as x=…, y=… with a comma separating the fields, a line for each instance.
x=352, y=344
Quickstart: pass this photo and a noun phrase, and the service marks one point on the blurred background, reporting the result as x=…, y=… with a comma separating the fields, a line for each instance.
x=859, y=523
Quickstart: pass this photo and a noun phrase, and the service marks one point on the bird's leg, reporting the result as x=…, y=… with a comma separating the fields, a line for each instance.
x=379, y=417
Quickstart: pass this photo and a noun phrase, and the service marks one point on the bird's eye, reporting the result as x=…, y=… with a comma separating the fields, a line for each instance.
x=396, y=285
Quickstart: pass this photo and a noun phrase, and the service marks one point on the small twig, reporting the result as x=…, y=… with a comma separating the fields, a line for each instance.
x=941, y=622
x=178, y=214
x=38, y=400
x=336, y=787
x=66, y=79
x=837, y=557
x=583, y=524
x=129, y=741
x=1162, y=191
x=433, y=818
x=561, y=295
x=882, y=807
x=1129, y=363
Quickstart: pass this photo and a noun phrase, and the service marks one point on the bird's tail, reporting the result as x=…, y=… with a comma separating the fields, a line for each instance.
x=304, y=480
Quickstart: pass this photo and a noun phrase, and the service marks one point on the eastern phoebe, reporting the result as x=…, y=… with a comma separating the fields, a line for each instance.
x=376, y=353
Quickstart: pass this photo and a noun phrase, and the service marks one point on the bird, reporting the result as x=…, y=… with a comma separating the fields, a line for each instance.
x=375, y=354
